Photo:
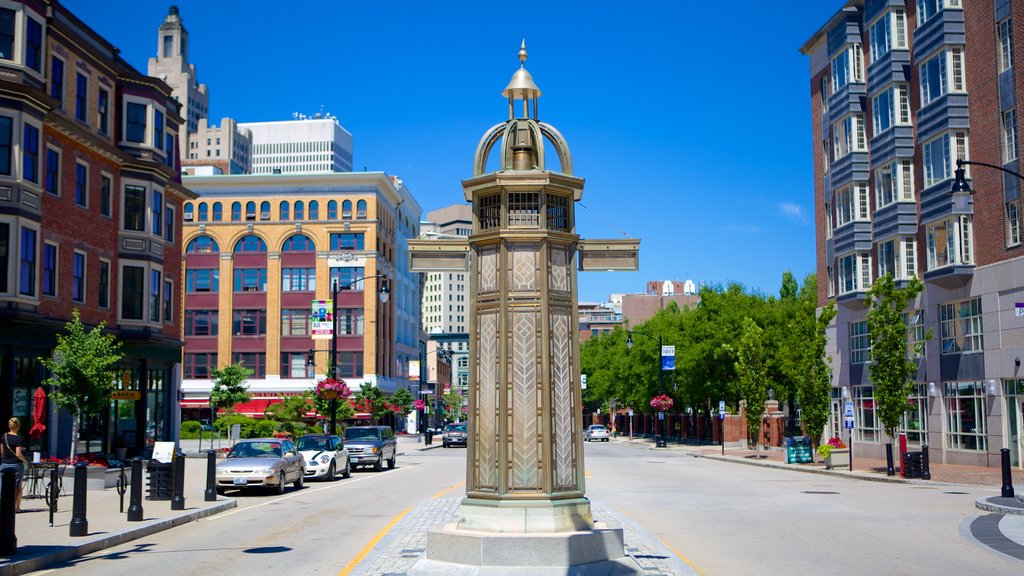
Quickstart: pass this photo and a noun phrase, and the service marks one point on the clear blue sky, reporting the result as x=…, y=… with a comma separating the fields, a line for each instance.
x=689, y=120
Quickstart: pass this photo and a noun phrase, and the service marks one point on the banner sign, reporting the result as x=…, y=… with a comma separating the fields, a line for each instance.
x=668, y=357
x=322, y=324
x=414, y=370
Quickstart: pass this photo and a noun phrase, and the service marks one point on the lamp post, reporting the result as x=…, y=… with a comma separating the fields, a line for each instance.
x=383, y=293
x=659, y=438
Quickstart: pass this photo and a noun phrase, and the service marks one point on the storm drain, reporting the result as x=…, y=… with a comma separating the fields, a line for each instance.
x=817, y=492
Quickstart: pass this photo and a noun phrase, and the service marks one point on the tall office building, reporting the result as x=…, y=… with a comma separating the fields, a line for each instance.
x=171, y=65
x=300, y=146
x=900, y=91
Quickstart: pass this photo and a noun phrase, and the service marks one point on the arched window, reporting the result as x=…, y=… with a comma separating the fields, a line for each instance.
x=218, y=212
x=202, y=245
x=264, y=210
x=251, y=243
x=332, y=210
x=299, y=211
x=284, y=211
x=189, y=211
x=203, y=212
x=314, y=210
x=250, y=210
x=346, y=209
x=236, y=211
x=361, y=209
x=299, y=243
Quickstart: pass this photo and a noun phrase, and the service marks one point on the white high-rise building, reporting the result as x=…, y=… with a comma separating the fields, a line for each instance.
x=300, y=146
x=171, y=65
x=446, y=294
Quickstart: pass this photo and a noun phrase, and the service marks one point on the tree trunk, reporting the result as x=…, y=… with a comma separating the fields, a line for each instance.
x=74, y=435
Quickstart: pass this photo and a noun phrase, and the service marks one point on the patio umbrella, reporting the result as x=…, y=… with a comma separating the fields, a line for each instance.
x=38, y=414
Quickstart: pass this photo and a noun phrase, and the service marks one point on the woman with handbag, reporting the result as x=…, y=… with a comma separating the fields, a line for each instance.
x=11, y=457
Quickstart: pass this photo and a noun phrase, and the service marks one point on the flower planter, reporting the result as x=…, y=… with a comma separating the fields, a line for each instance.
x=838, y=458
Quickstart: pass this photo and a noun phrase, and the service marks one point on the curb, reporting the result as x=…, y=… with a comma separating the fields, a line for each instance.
x=1000, y=505
x=44, y=559
x=840, y=473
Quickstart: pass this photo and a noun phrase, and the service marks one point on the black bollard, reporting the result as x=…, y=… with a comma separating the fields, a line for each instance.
x=52, y=493
x=178, y=498
x=8, y=540
x=135, y=500
x=79, y=524
x=1004, y=456
x=926, y=473
x=890, y=470
x=211, y=477
x=122, y=486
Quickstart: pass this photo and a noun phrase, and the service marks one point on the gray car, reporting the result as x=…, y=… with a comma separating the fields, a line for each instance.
x=261, y=463
x=371, y=446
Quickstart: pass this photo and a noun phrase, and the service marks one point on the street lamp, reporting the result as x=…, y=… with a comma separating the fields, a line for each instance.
x=383, y=293
x=659, y=441
x=961, y=190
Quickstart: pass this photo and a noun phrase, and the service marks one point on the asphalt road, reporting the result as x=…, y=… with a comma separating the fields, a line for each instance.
x=722, y=518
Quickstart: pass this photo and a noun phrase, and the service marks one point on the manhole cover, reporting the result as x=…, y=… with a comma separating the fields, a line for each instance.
x=818, y=492
x=956, y=492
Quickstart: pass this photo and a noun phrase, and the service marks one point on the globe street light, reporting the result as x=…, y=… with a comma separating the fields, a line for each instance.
x=659, y=441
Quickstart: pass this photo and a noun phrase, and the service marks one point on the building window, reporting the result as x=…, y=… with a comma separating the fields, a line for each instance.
x=349, y=322
x=133, y=280
x=103, y=109
x=202, y=280
x=298, y=279
x=200, y=365
x=202, y=245
x=332, y=210
x=347, y=276
x=848, y=136
x=896, y=258
x=249, y=322
x=1009, y=139
x=27, y=269
x=236, y=211
x=350, y=365
x=300, y=210
x=34, y=45
x=1013, y=223
x=250, y=280
x=868, y=428
x=314, y=210
x=284, y=209
x=1005, y=31
x=168, y=299
x=81, y=184
x=860, y=343
x=854, y=272
x=293, y=365
x=30, y=154
x=189, y=212
x=135, y=128
x=346, y=210
x=894, y=182
x=57, y=80
x=966, y=416
x=157, y=213
x=169, y=223
x=940, y=155
x=250, y=243
x=298, y=243
x=941, y=74
x=81, y=98
x=847, y=67
x=154, y=295
x=204, y=212
x=950, y=242
x=134, y=208
x=347, y=241
x=6, y=145
x=103, y=299
x=168, y=45
x=49, y=269
x=201, y=323
x=105, y=188
x=852, y=204
x=961, y=327
x=250, y=210
x=891, y=107
x=294, y=322
x=52, y=182
x=928, y=9
x=255, y=361
x=218, y=212
x=264, y=210
x=361, y=209
x=7, y=17
x=78, y=277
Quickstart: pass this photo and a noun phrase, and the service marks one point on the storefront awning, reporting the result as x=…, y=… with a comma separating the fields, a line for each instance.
x=195, y=403
x=255, y=408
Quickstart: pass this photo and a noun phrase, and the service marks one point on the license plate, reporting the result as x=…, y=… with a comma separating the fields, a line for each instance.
x=240, y=481
x=353, y=458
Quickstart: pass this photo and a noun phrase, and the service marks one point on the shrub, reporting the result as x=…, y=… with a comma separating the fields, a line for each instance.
x=189, y=430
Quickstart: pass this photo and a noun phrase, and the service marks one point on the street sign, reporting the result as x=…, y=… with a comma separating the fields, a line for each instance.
x=721, y=405
x=661, y=415
x=583, y=381
x=668, y=357
x=848, y=409
x=631, y=413
x=849, y=423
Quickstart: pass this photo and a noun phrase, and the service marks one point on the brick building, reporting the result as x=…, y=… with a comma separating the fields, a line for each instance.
x=900, y=91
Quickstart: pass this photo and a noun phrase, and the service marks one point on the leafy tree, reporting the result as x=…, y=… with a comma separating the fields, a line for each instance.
x=84, y=370
x=229, y=387
x=452, y=405
x=752, y=372
x=402, y=401
x=291, y=408
x=343, y=409
x=892, y=369
x=813, y=371
x=370, y=399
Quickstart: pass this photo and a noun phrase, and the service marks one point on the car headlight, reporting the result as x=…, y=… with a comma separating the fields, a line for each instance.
x=263, y=471
x=325, y=459
x=374, y=449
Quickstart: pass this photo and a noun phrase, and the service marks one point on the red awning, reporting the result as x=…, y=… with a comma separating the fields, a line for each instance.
x=255, y=408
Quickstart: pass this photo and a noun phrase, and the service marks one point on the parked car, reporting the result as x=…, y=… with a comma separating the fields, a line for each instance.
x=454, y=434
x=261, y=463
x=596, y=432
x=371, y=446
x=324, y=454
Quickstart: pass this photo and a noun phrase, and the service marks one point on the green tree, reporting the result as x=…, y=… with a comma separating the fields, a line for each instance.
x=892, y=369
x=84, y=370
x=402, y=399
x=813, y=370
x=229, y=387
x=453, y=405
x=370, y=399
x=291, y=408
x=343, y=408
x=752, y=372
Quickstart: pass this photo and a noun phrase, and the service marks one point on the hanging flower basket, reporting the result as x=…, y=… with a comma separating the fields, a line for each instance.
x=419, y=404
x=330, y=389
x=662, y=403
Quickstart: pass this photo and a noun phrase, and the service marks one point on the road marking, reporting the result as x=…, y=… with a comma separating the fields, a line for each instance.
x=447, y=490
x=587, y=474
x=683, y=558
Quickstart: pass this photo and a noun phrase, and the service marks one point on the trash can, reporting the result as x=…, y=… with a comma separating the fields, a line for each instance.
x=912, y=464
x=161, y=480
x=428, y=437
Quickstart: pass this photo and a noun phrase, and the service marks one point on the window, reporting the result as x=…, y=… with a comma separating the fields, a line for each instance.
x=168, y=45
x=854, y=272
x=961, y=327
x=295, y=322
x=81, y=98
x=6, y=124
x=5, y=253
x=1013, y=222
x=1009, y=133
x=1005, y=31
x=847, y=67
x=250, y=210
x=848, y=136
x=202, y=280
x=154, y=295
x=314, y=210
x=298, y=279
x=200, y=365
x=346, y=210
x=135, y=129
x=202, y=245
x=78, y=277
x=928, y=9
x=894, y=182
x=950, y=242
x=250, y=280
x=283, y=208
x=299, y=210
x=348, y=276
x=57, y=80
x=941, y=74
x=250, y=243
x=347, y=241
x=81, y=184
x=134, y=208
x=34, y=45
x=218, y=212
x=361, y=209
x=30, y=153
x=49, y=269
x=852, y=204
x=249, y=322
x=236, y=211
x=27, y=261
x=896, y=257
x=868, y=428
x=349, y=321
x=966, y=416
x=298, y=243
x=133, y=280
x=169, y=223
x=255, y=361
x=332, y=210
x=940, y=156
x=204, y=212
x=891, y=107
x=888, y=32
x=264, y=210
x=158, y=128
x=7, y=17
x=103, y=109
x=189, y=212
x=201, y=322
x=860, y=342
x=52, y=181
x=103, y=299
x=350, y=365
x=157, y=215
x=293, y=365
x=169, y=150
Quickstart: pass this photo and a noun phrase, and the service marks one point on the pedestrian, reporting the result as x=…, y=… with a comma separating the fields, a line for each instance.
x=13, y=459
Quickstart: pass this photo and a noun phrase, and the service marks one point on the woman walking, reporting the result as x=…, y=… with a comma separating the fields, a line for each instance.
x=11, y=457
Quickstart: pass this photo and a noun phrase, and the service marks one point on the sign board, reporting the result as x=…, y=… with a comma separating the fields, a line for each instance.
x=126, y=395
x=163, y=452
x=583, y=381
x=631, y=413
x=235, y=432
x=721, y=405
x=414, y=370
x=848, y=415
x=668, y=357
x=321, y=323
x=661, y=415
x=1018, y=309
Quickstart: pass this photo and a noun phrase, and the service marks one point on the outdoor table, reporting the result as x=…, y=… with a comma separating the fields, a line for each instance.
x=37, y=474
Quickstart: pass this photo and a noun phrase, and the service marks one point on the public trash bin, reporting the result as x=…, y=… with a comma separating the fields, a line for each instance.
x=428, y=437
x=798, y=450
x=912, y=464
x=161, y=480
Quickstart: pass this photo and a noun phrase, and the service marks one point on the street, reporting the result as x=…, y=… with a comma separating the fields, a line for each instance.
x=720, y=518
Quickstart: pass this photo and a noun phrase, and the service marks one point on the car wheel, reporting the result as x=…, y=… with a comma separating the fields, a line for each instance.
x=391, y=461
x=379, y=464
x=301, y=481
x=331, y=472
x=347, y=473
x=280, y=483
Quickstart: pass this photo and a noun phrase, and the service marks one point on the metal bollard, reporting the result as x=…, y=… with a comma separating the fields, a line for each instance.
x=79, y=524
x=211, y=477
x=53, y=493
x=926, y=473
x=122, y=486
x=8, y=540
x=178, y=498
x=135, y=500
x=1004, y=457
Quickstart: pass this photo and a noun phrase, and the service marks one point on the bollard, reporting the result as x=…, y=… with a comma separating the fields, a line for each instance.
x=926, y=473
x=122, y=486
x=135, y=500
x=890, y=470
x=52, y=493
x=211, y=477
x=1004, y=456
x=8, y=540
x=79, y=524
x=178, y=498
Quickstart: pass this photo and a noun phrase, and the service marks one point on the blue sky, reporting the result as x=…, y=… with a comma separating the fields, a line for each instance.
x=689, y=122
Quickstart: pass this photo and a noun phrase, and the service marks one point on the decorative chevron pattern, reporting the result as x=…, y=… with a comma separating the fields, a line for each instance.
x=524, y=267
x=487, y=408
x=561, y=384
x=558, y=270
x=489, y=269
x=525, y=432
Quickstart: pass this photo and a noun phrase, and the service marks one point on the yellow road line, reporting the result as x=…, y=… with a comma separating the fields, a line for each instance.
x=587, y=474
x=447, y=490
x=683, y=558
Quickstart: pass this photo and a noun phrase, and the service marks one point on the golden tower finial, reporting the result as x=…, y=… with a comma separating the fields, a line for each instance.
x=522, y=54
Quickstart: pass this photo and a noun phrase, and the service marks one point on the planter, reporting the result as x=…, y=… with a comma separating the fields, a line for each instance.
x=97, y=477
x=838, y=458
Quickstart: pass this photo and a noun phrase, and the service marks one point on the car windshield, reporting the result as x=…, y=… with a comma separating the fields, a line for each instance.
x=313, y=444
x=597, y=428
x=362, y=434
x=256, y=450
x=455, y=428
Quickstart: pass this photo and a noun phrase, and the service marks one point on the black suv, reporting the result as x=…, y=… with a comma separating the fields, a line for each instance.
x=371, y=446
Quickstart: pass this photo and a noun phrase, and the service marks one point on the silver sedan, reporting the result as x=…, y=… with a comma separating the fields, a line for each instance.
x=259, y=463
